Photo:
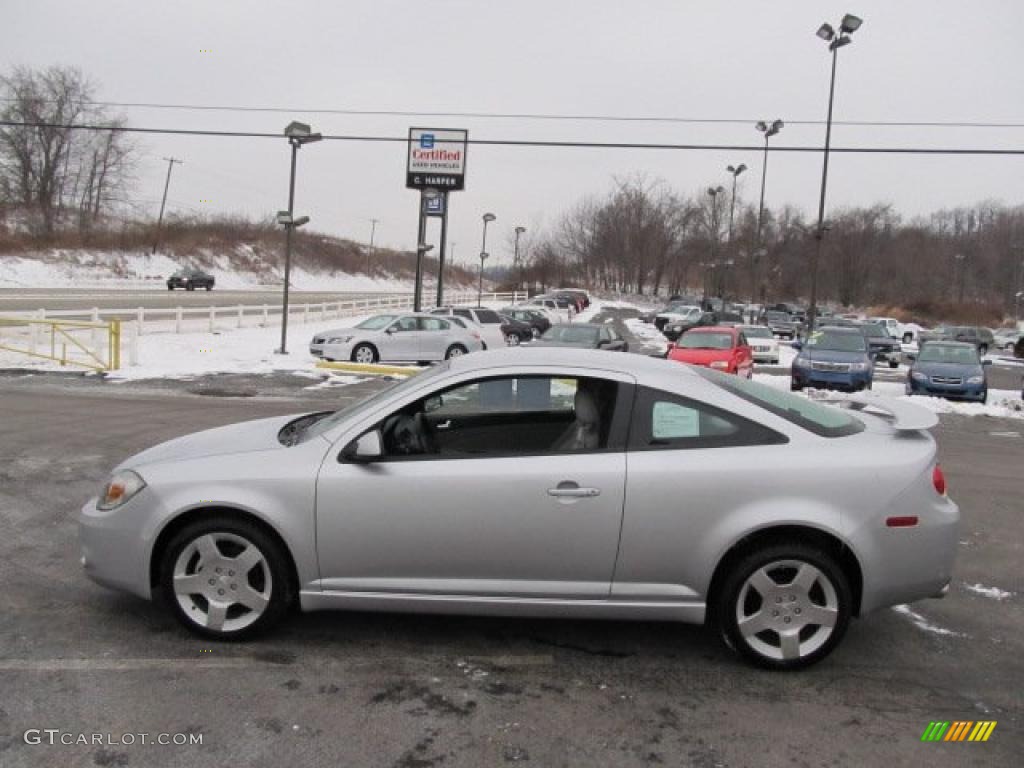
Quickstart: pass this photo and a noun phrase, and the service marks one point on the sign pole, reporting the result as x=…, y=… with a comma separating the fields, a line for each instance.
x=441, y=254
x=421, y=235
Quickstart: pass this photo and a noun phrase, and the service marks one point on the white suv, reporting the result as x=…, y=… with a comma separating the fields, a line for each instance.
x=488, y=320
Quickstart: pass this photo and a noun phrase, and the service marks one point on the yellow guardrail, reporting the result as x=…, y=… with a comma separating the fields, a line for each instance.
x=372, y=368
x=63, y=344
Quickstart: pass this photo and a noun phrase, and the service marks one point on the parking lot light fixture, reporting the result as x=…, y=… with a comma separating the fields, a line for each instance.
x=487, y=219
x=297, y=134
x=849, y=25
x=769, y=130
x=735, y=171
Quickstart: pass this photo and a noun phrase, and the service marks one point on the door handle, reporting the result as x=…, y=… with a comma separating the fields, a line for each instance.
x=571, y=490
x=444, y=424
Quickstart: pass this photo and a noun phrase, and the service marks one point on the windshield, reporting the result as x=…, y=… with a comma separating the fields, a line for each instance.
x=327, y=423
x=376, y=322
x=837, y=342
x=823, y=420
x=777, y=316
x=757, y=332
x=705, y=340
x=874, y=331
x=569, y=334
x=940, y=353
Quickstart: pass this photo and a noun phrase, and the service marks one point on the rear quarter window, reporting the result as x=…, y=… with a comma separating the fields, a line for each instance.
x=822, y=420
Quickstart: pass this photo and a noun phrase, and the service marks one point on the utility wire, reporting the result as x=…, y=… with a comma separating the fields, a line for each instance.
x=543, y=116
x=536, y=143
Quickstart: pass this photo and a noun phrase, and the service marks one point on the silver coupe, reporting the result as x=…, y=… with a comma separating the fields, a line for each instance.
x=543, y=482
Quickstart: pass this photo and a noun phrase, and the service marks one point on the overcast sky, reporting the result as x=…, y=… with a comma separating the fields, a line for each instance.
x=913, y=60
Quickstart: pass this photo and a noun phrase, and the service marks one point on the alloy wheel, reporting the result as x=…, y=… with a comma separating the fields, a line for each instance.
x=222, y=582
x=786, y=610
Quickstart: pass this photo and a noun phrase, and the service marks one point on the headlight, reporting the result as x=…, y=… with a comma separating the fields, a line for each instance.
x=677, y=328
x=720, y=364
x=976, y=380
x=918, y=376
x=119, y=489
x=339, y=340
x=799, y=362
x=858, y=366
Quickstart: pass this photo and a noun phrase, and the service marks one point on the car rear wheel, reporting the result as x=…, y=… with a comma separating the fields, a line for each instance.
x=226, y=579
x=364, y=353
x=512, y=340
x=209, y=287
x=983, y=349
x=455, y=350
x=784, y=606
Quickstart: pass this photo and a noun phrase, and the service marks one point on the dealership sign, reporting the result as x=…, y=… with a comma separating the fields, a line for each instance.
x=437, y=159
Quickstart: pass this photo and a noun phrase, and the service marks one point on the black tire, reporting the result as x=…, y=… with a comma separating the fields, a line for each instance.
x=982, y=350
x=726, y=606
x=209, y=287
x=455, y=350
x=894, y=363
x=170, y=287
x=794, y=386
x=282, y=586
x=375, y=357
x=189, y=287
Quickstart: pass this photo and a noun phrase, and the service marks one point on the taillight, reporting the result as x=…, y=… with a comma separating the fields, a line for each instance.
x=939, y=480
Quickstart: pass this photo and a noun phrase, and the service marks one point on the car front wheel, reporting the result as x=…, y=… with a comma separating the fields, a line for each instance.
x=226, y=579
x=364, y=353
x=512, y=340
x=784, y=606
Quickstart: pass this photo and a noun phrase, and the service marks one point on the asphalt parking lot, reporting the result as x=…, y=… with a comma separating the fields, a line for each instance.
x=411, y=692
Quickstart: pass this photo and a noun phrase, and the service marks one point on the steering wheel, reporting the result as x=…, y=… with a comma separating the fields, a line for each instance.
x=427, y=434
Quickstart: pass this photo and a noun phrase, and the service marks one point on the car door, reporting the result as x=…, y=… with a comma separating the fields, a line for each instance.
x=501, y=509
x=401, y=340
x=744, y=356
x=435, y=336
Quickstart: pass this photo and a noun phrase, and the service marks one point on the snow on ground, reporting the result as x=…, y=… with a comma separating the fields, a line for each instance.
x=924, y=624
x=134, y=271
x=994, y=593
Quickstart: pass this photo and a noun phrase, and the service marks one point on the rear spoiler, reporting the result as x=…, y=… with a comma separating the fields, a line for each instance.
x=903, y=416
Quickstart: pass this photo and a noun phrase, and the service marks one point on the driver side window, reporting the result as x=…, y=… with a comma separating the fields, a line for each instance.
x=510, y=416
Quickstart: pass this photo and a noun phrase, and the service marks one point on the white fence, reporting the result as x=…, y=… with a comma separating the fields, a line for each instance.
x=143, y=320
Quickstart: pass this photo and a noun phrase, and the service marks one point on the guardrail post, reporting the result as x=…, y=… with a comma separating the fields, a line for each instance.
x=140, y=318
x=305, y=314
x=265, y=320
x=241, y=311
x=177, y=320
x=213, y=316
x=133, y=349
x=95, y=333
x=114, y=345
x=33, y=333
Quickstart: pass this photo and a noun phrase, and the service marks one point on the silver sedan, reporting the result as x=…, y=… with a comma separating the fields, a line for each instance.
x=497, y=484
x=398, y=338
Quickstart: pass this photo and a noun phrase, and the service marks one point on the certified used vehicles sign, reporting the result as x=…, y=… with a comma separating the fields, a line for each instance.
x=437, y=158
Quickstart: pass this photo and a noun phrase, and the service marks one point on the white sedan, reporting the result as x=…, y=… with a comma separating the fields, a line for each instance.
x=763, y=343
x=397, y=338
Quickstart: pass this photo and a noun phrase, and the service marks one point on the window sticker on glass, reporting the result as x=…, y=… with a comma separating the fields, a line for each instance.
x=670, y=421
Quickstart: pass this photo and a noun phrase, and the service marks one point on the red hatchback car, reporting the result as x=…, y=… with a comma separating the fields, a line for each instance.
x=722, y=348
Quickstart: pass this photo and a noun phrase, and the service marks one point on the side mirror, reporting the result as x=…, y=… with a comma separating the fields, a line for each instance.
x=364, y=449
x=796, y=344
x=911, y=356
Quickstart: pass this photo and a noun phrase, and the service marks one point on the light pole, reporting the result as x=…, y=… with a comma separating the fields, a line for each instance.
x=768, y=130
x=487, y=218
x=1016, y=306
x=735, y=171
x=961, y=263
x=163, y=202
x=517, y=266
x=369, y=252
x=298, y=134
x=714, y=192
x=847, y=27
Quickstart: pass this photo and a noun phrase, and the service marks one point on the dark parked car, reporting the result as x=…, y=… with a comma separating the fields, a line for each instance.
x=833, y=358
x=537, y=320
x=190, y=279
x=516, y=331
x=884, y=348
x=782, y=324
x=674, y=329
x=583, y=336
x=981, y=338
x=950, y=369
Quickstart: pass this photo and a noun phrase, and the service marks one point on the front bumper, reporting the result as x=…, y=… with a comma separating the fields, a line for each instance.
x=113, y=550
x=849, y=380
x=974, y=393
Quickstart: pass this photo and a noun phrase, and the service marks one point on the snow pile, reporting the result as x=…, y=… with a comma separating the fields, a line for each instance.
x=993, y=593
x=924, y=624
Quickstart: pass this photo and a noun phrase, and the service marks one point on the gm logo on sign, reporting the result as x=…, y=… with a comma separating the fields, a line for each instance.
x=427, y=141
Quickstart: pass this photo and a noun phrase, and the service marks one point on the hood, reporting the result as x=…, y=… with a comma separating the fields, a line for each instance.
x=948, y=369
x=246, y=437
x=551, y=343
x=832, y=356
x=699, y=356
